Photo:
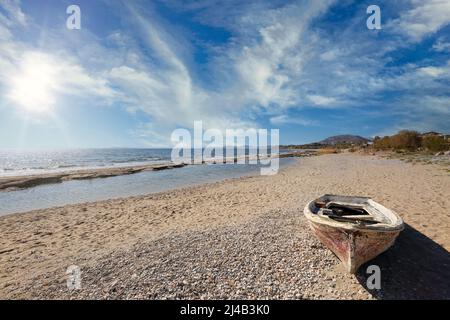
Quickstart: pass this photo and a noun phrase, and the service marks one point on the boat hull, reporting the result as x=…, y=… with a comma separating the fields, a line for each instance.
x=353, y=247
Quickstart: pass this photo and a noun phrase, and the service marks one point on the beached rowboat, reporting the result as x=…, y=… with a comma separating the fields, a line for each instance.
x=356, y=229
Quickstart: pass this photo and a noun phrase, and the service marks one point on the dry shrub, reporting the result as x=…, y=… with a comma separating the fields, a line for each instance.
x=328, y=151
x=404, y=140
x=435, y=143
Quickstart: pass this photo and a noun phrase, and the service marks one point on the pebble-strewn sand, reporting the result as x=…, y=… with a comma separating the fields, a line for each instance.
x=243, y=238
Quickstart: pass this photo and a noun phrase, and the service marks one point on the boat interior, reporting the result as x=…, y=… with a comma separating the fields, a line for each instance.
x=354, y=213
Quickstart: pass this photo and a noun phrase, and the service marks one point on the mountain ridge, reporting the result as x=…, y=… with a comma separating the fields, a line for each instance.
x=344, y=139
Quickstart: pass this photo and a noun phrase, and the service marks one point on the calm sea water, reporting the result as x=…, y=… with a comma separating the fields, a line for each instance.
x=17, y=162
x=71, y=192
x=24, y=162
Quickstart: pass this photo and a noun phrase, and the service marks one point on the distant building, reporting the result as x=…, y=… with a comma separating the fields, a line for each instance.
x=436, y=134
x=431, y=133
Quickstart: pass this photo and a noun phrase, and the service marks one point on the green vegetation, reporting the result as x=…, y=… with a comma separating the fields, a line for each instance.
x=435, y=143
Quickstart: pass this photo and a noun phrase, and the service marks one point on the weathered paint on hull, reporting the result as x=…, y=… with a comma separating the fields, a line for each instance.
x=353, y=247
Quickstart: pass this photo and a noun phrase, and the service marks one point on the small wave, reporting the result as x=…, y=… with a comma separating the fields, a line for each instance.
x=132, y=160
x=35, y=168
x=62, y=166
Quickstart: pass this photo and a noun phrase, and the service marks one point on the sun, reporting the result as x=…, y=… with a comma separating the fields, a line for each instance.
x=33, y=87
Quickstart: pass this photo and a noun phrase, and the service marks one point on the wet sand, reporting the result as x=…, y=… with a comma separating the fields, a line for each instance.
x=241, y=238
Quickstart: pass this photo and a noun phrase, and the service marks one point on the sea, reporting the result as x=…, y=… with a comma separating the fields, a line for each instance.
x=26, y=162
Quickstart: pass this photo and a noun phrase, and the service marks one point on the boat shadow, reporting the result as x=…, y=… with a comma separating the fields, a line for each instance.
x=416, y=267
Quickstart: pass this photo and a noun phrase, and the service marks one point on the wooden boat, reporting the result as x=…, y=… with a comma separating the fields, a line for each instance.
x=356, y=229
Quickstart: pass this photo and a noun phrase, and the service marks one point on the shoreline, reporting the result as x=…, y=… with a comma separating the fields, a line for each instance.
x=20, y=182
x=244, y=237
x=182, y=188
x=11, y=183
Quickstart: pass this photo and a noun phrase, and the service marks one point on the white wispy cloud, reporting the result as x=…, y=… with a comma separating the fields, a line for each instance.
x=166, y=90
x=270, y=70
x=423, y=18
x=285, y=119
x=441, y=46
x=321, y=100
x=14, y=13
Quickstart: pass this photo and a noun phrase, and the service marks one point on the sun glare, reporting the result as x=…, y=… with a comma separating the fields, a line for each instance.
x=32, y=88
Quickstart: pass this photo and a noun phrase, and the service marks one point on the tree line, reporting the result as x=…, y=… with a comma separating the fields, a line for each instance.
x=412, y=141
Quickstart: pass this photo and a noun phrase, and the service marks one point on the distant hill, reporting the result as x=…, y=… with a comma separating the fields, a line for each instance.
x=343, y=139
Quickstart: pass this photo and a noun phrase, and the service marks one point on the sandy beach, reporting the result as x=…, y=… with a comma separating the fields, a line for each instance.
x=242, y=238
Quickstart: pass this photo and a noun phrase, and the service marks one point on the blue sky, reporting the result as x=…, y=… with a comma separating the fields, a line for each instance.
x=137, y=70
